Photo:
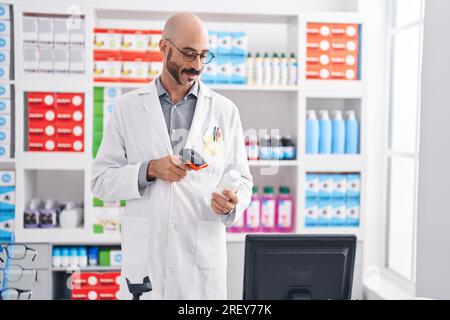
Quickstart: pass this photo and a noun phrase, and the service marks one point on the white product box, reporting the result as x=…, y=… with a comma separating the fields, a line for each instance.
x=107, y=70
x=212, y=41
x=5, y=12
x=5, y=91
x=77, y=31
x=312, y=212
x=5, y=27
x=154, y=69
x=134, y=70
x=153, y=41
x=61, y=32
x=5, y=151
x=4, y=71
x=325, y=185
x=115, y=258
x=111, y=93
x=76, y=59
x=107, y=39
x=45, y=54
x=325, y=212
x=224, y=43
x=61, y=59
x=5, y=121
x=5, y=136
x=7, y=178
x=312, y=185
x=135, y=40
x=107, y=220
x=339, y=185
x=29, y=29
x=5, y=106
x=5, y=42
x=30, y=58
x=353, y=185
x=5, y=57
x=239, y=43
x=45, y=30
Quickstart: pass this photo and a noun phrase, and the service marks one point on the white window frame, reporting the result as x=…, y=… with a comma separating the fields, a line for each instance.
x=407, y=284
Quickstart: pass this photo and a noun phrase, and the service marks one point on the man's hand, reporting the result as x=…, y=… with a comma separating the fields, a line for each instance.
x=223, y=204
x=170, y=169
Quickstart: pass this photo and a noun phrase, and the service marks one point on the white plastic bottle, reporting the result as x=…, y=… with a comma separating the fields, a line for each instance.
x=283, y=70
x=250, y=70
x=230, y=181
x=276, y=70
x=259, y=70
x=56, y=257
x=292, y=70
x=267, y=70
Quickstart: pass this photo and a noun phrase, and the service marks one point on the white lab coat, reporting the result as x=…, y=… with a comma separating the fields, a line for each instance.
x=169, y=232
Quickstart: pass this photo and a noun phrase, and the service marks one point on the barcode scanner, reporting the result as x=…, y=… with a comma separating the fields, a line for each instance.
x=193, y=159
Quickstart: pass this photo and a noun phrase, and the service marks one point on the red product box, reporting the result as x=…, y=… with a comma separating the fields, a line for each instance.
x=69, y=144
x=96, y=279
x=96, y=293
x=41, y=128
x=343, y=57
x=69, y=101
x=75, y=116
x=70, y=129
x=41, y=100
x=345, y=30
x=109, y=279
x=41, y=143
x=48, y=116
x=318, y=72
x=347, y=45
x=343, y=72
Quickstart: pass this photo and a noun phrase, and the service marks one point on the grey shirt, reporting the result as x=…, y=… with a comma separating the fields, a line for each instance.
x=178, y=119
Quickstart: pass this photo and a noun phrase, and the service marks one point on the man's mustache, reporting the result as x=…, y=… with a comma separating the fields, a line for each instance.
x=192, y=71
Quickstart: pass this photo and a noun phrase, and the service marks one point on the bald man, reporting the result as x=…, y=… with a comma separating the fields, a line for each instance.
x=174, y=223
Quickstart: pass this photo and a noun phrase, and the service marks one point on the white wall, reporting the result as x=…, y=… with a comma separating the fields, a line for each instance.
x=433, y=224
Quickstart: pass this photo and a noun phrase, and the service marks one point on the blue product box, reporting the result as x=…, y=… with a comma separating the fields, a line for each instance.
x=339, y=213
x=209, y=74
x=339, y=185
x=353, y=185
x=324, y=212
x=223, y=43
x=224, y=69
x=7, y=199
x=238, y=70
x=352, y=212
x=312, y=185
x=311, y=212
x=325, y=185
x=6, y=227
x=239, y=44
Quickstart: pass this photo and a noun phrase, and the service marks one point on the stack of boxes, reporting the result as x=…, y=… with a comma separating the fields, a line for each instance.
x=333, y=51
x=332, y=200
x=106, y=214
x=95, y=285
x=7, y=206
x=53, y=44
x=230, y=49
x=6, y=122
x=126, y=55
x=55, y=121
x=6, y=36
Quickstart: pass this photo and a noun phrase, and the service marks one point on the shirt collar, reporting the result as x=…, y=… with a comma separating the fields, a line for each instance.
x=162, y=91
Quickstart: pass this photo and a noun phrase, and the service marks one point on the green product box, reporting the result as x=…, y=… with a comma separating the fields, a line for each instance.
x=98, y=123
x=98, y=136
x=98, y=108
x=97, y=202
x=104, y=257
x=98, y=93
x=123, y=203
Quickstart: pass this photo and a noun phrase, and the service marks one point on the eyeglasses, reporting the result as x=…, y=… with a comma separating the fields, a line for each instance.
x=15, y=272
x=17, y=252
x=190, y=55
x=14, y=294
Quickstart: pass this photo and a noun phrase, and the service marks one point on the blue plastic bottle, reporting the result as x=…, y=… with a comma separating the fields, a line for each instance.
x=325, y=133
x=312, y=133
x=338, y=135
x=351, y=133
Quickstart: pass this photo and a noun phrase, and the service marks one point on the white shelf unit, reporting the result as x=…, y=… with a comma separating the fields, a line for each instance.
x=260, y=108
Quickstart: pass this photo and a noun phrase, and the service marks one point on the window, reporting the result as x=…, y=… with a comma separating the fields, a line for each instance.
x=405, y=35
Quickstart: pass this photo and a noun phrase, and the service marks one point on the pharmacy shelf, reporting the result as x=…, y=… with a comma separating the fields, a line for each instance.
x=273, y=163
x=333, y=163
x=53, y=160
x=358, y=231
x=218, y=87
x=86, y=268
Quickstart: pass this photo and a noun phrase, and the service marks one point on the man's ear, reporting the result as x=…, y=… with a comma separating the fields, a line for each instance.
x=163, y=47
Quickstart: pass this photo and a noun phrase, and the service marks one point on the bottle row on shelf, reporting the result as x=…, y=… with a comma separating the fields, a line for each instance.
x=267, y=212
x=332, y=136
x=49, y=213
x=93, y=256
x=267, y=147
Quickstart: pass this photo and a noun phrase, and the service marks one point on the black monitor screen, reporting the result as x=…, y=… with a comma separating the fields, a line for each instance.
x=299, y=267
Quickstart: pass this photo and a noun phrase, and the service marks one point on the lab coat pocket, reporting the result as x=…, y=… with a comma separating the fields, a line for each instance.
x=211, y=251
x=134, y=240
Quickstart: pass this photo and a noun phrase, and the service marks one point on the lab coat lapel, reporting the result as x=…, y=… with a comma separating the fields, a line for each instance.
x=204, y=103
x=154, y=109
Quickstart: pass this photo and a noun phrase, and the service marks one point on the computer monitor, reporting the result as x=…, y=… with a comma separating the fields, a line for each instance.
x=299, y=267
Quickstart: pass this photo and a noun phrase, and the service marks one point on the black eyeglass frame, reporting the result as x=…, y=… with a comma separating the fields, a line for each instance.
x=190, y=58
